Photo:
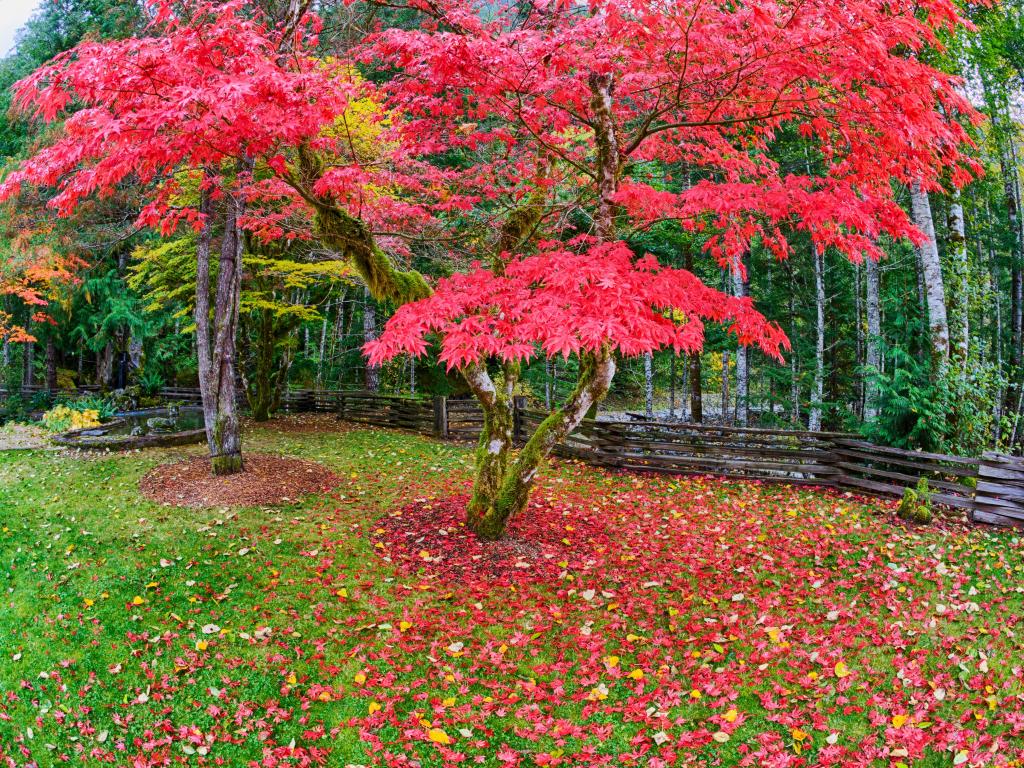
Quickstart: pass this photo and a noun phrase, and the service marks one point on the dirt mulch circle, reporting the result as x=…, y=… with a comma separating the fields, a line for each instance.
x=429, y=538
x=267, y=481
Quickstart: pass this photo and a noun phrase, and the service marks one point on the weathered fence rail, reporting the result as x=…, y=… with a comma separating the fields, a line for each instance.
x=799, y=457
x=990, y=489
x=1000, y=494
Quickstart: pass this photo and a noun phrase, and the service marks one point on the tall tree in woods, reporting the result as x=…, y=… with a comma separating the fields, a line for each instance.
x=931, y=276
x=209, y=94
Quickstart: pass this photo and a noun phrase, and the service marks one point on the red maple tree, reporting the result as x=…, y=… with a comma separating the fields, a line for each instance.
x=594, y=106
x=555, y=112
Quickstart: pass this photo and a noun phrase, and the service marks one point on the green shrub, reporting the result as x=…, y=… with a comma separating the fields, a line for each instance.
x=916, y=504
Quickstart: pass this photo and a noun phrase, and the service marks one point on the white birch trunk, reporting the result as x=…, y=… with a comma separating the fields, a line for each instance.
x=931, y=277
x=959, y=295
x=818, y=386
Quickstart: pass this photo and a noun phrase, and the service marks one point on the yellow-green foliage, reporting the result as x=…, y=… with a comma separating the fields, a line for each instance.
x=165, y=273
x=62, y=418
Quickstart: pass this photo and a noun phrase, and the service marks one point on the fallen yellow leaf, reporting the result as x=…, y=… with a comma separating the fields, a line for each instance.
x=438, y=736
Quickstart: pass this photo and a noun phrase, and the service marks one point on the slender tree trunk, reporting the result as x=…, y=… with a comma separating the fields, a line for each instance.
x=959, y=304
x=693, y=364
x=684, y=390
x=794, y=374
x=323, y=347
x=873, y=342
x=372, y=374
x=818, y=386
x=726, y=419
x=1012, y=193
x=51, y=365
x=997, y=343
x=648, y=386
x=672, y=388
x=739, y=288
x=28, y=362
x=547, y=385
x=216, y=343
x=931, y=277
x=1016, y=314
x=696, y=390
x=858, y=313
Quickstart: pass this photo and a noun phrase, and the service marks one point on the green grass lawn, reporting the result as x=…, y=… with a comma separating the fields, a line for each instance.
x=687, y=622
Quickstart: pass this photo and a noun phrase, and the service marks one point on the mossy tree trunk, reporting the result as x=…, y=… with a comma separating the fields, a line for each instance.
x=216, y=331
x=503, y=481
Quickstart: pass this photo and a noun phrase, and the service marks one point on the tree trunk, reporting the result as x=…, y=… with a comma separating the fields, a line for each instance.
x=51, y=365
x=1016, y=314
x=959, y=296
x=266, y=346
x=648, y=386
x=502, y=485
x=672, y=388
x=696, y=390
x=725, y=387
x=931, y=277
x=997, y=343
x=372, y=373
x=739, y=288
x=858, y=314
x=693, y=364
x=873, y=342
x=794, y=373
x=216, y=344
x=28, y=363
x=818, y=386
x=105, y=365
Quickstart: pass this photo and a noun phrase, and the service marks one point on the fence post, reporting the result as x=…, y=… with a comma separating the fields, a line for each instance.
x=441, y=417
x=341, y=406
x=518, y=406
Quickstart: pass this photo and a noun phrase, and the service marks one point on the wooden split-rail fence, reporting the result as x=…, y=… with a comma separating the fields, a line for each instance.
x=989, y=489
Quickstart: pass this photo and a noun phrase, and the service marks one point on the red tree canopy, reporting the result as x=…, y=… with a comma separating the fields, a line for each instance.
x=581, y=106
x=566, y=302
x=710, y=86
